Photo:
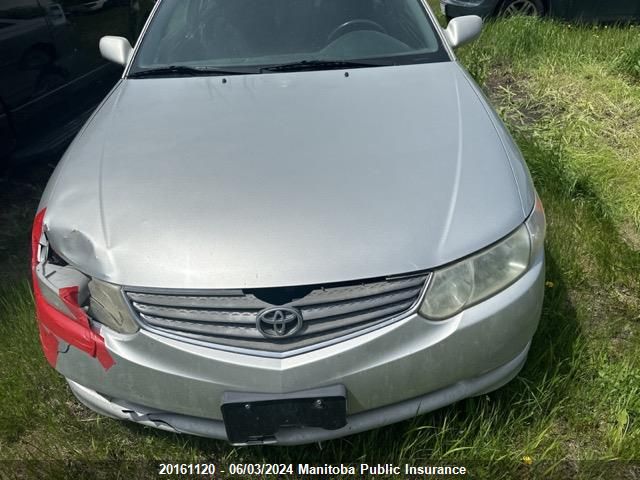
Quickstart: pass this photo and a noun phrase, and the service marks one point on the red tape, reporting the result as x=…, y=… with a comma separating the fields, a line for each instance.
x=36, y=233
x=69, y=296
x=76, y=332
x=49, y=345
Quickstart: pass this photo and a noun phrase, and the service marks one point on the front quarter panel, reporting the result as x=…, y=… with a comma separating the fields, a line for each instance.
x=518, y=165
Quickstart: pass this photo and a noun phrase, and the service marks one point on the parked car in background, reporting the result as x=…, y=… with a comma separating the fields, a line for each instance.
x=51, y=73
x=84, y=6
x=291, y=221
x=586, y=10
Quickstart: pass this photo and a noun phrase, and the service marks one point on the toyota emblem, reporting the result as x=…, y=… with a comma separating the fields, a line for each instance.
x=279, y=322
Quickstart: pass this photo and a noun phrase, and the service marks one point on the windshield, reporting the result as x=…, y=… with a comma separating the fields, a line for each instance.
x=249, y=36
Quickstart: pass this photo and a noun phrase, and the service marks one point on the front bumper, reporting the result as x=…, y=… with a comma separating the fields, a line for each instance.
x=409, y=367
x=357, y=423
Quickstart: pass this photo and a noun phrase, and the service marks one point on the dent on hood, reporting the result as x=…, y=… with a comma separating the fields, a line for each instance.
x=73, y=224
x=79, y=250
x=73, y=245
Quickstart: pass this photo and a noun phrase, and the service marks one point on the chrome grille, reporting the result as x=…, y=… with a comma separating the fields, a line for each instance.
x=228, y=317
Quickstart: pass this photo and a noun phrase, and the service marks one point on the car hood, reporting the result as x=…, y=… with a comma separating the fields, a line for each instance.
x=285, y=179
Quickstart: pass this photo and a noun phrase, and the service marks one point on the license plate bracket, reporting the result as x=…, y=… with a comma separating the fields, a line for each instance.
x=257, y=417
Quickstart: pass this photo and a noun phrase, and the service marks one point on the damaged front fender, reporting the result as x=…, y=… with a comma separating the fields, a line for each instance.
x=78, y=249
x=59, y=292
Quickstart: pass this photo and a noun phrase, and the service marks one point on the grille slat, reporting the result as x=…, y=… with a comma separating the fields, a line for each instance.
x=228, y=318
x=336, y=323
x=214, y=301
x=338, y=294
x=190, y=315
x=352, y=306
x=210, y=329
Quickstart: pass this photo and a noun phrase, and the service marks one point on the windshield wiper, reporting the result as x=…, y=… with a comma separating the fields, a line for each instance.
x=180, y=70
x=321, y=65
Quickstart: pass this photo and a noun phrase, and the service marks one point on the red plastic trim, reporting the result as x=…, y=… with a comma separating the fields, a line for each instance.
x=49, y=345
x=56, y=325
x=36, y=234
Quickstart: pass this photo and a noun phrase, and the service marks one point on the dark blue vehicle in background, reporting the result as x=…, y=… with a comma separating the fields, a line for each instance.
x=585, y=10
x=51, y=73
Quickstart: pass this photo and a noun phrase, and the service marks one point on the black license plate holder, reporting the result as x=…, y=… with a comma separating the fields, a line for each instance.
x=257, y=417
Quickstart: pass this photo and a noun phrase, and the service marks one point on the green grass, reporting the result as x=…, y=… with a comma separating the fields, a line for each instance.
x=571, y=97
x=575, y=90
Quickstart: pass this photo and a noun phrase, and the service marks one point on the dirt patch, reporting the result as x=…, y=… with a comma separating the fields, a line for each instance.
x=510, y=96
x=614, y=313
x=630, y=235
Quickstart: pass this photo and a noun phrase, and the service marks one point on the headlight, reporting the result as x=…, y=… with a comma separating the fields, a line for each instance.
x=54, y=280
x=459, y=286
x=107, y=306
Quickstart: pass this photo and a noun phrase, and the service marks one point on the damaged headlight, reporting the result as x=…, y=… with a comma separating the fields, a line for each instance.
x=107, y=306
x=470, y=281
x=56, y=281
x=61, y=293
x=62, y=286
x=101, y=301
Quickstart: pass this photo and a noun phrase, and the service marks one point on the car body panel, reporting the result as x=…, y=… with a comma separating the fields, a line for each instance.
x=356, y=423
x=597, y=10
x=271, y=175
x=25, y=45
x=7, y=138
x=587, y=10
x=524, y=182
x=457, y=8
x=51, y=72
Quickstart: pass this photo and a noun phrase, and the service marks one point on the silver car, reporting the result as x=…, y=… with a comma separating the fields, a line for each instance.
x=290, y=221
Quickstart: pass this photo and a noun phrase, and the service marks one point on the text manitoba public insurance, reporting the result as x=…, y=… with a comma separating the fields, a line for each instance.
x=378, y=469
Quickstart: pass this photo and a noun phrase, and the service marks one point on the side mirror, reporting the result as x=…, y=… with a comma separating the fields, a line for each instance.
x=463, y=30
x=116, y=49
